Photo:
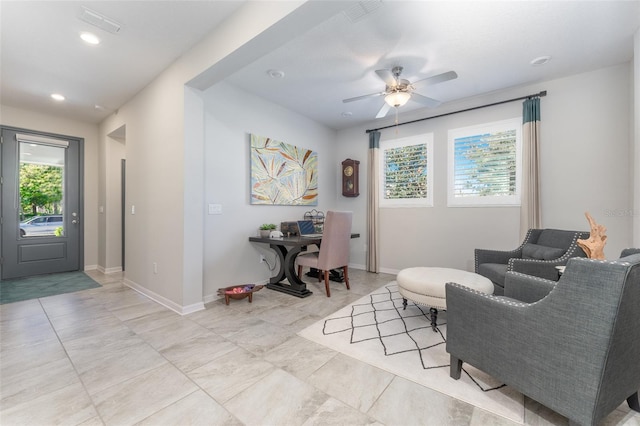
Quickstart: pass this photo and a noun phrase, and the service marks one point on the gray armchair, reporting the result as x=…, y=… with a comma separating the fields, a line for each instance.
x=576, y=350
x=538, y=255
x=527, y=288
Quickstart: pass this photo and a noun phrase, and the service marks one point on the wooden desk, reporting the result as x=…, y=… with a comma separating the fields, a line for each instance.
x=287, y=249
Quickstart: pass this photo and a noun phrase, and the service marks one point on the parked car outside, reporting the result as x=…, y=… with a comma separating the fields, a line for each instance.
x=41, y=225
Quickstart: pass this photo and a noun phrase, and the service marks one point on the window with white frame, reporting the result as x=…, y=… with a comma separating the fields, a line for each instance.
x=485, y=164
x=406, y=172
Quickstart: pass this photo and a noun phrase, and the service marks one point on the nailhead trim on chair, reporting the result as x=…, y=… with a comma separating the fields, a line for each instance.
x=504, y=301
x=569, y=253
x=614, y=262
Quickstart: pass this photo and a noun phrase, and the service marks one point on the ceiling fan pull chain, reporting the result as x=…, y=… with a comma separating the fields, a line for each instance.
x=396, y=121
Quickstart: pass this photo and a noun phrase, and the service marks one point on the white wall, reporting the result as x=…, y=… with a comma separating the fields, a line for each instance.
x=231, y=115
x=585, y=167
x=162, y=153
x=636, y=141
x=16, y=117
x=112, y=216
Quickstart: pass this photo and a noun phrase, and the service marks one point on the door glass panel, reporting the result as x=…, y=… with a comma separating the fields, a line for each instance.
x=41, y=178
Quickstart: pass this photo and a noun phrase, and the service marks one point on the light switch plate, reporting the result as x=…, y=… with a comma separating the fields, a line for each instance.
x=215, y=208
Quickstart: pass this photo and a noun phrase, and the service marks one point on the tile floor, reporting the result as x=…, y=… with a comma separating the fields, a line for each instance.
x=111, y=356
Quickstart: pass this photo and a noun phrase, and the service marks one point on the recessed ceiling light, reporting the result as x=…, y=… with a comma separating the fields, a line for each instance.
x=90, y=38
x=57, y=97
x=540, y=60
x=275, y=73
x=347, y=114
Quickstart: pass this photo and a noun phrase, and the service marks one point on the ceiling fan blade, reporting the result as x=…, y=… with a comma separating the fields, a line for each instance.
x=388, y=77
x=430, y=102
x=445, y=76
x=357, y=98
x=383, y=111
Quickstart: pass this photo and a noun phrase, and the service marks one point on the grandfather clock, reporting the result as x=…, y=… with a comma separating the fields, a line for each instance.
x=350, y=184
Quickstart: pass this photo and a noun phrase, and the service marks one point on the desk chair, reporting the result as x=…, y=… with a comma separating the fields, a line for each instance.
x=334, y=249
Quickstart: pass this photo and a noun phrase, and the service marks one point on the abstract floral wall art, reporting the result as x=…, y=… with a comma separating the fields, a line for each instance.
x=282, y=174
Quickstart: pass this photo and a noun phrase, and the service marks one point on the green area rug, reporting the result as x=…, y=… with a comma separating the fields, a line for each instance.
x=18, y=289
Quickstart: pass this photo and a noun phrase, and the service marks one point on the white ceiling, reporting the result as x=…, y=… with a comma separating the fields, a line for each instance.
x=489, y=44
x=41, y=51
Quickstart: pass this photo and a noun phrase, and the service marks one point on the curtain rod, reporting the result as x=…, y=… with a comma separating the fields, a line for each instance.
x=541, y=94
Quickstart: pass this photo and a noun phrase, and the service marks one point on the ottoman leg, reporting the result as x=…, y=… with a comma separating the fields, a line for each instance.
x=404, y=304
x=434, y=318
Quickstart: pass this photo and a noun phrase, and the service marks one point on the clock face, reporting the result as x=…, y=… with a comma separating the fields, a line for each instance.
x=348, y=171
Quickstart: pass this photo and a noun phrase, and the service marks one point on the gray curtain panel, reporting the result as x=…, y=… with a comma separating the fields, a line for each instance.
x=530, y=216
x=373, y=194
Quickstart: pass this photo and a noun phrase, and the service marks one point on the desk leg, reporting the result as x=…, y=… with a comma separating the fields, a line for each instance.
x=296, y=286
x=281, y=251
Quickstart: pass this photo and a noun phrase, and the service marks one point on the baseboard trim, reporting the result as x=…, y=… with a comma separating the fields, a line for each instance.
x=113, y=270
x=179, y=309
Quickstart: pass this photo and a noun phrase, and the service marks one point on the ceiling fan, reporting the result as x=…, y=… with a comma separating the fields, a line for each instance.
x=398, y=90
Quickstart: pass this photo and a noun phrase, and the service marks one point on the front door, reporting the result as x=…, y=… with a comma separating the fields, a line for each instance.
x=42, y=224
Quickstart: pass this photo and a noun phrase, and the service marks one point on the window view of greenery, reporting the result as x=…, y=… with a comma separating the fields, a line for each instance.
x=405, y=174
x=484, y=164
x=41, y=191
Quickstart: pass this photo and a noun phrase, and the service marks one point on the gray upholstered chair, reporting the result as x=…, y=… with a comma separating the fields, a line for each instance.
x=576, y=350
x=538, y=255
x=334, y=248
x=527, y=288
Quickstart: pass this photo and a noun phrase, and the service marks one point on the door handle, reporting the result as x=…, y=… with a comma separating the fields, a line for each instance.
x=76, y=219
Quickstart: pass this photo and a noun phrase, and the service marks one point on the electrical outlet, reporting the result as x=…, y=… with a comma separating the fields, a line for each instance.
x=262, y=259
x=155, y=268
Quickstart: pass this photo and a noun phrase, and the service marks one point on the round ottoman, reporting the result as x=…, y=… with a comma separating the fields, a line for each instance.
x=426, y=286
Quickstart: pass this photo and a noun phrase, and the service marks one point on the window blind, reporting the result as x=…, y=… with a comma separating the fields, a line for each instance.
x=485, y=165
x=405, y=172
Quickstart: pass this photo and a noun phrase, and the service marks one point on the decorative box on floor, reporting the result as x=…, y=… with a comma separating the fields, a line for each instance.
x=239, y=292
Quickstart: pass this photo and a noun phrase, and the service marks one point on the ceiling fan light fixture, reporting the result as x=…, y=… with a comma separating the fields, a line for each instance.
x=397, y=99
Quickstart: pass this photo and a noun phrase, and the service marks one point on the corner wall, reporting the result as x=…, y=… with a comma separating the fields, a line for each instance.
x=231, y=115
x=163, y=251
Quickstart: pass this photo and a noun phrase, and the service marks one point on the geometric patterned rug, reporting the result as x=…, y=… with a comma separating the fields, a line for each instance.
x=377, y=330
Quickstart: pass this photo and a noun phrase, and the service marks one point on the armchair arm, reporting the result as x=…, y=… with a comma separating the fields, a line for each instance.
x=629, y=251
x=481, y=332
x=540, y=268
x=495, y=256
x=526, y=288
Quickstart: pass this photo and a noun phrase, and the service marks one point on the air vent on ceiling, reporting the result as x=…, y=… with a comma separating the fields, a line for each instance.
x=97, y=19
x=358, y=11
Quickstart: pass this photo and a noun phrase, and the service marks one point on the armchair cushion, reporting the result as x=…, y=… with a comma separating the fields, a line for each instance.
x=494, y=271
x=537, y=251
